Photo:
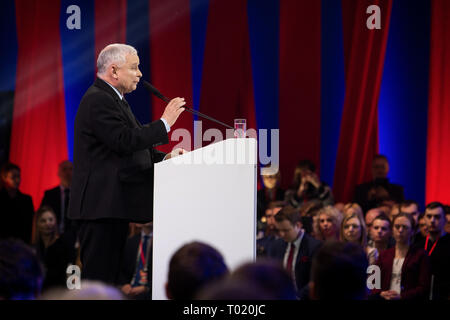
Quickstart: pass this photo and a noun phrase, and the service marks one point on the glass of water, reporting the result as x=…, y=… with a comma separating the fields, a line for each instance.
x=240, y=126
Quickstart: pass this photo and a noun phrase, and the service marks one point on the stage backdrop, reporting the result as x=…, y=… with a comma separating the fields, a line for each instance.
x=337, y=91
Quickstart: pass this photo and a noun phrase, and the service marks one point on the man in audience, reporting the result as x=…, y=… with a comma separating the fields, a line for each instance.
x=370, y=194
x=437, y=244
x=58, y=197
x=270, y=233
x=136, y=271
x=191, y=268
x=447, y=217
x=21, y=273
x=339, y=272
x=17, y=207
x=381, y=233
x=295, y=248
x=411, y=207
x=369, y=218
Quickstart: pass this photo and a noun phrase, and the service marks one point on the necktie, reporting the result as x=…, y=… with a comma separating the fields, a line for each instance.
x=141, y=268
x=290, y=259
x=129, y=112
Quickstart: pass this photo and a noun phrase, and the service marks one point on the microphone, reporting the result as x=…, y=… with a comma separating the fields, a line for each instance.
x=158, y=94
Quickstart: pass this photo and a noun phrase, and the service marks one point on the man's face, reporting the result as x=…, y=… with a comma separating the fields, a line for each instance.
x=412, y=210
x=12, y=179
x=423, y=226
x=287, y=231
x=435, y=220
x=270, y=180
x=65, y=172
x=380, y=231
x=380, y=168
x=128, y=74
x=270, y=217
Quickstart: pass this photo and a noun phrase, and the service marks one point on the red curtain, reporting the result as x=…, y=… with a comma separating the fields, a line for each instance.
x=227, y=85
x=299, y=101
x=38, y=136
x=364, y=52
x=110, y=23
x=171, y=61
x=438, y=145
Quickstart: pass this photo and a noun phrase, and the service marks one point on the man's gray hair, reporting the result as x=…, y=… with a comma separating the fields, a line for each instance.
x=113, y=53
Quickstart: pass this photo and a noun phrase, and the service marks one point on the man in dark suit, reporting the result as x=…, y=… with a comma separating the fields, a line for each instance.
x=295, y=248
x=114, y=155
x=370, y=194
x=58, y=197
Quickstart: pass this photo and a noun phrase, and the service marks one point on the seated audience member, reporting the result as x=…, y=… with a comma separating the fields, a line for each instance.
x=191, y=268
x=395, y=210
x=423, y=228
x=381, y=230
x=327, y=224
x=340, y=206
x=21, y=273
x=268, y=275
x=17, y=208
x=437, y=245
x=307, y=186
x=90, y=290
x=56, y=252
x=295, y=248
x=270, y=192
x=370, y=194
x=411, y=207
x=136, y=270
x=339, y=272
x=308, y=211
x=58, y=197
x=270, y=233
x=405, y=269
x=447, y=218
x=353, y=229
x=369, y=218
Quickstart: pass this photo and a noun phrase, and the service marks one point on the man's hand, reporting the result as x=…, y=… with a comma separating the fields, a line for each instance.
x=173, y=110
x=176, y=152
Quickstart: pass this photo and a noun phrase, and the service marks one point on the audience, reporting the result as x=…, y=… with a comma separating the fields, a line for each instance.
x=327, y=224
x=339, y=272
x=295, y=248
x=54, y=250
x=405, y=269
x=381, y=231
x=17, y=208
x=353, y=229
x=191, y=268
x=21, y=273
x=270, y=234
x=369, y=218
x=370, y=194
x=270, y=192
x=307, y=186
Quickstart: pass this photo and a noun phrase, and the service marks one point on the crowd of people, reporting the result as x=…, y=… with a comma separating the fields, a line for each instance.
x=308, y=246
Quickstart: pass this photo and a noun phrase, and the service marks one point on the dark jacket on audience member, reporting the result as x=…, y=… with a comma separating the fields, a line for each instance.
x=416, y=273
x=16, y=216
x=307, y=250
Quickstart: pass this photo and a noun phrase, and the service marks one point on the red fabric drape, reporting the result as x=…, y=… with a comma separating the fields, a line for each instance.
x=110, y=23
x=38, y=136
x=364, y=52
x=299, y=100
x=171, y=62
x=438, y=144
x=227, y=86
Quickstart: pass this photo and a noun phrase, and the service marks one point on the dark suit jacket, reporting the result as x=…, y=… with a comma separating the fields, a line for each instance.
x=416, y=273
x=308, y=248
x=52, y=198
x=113, y=159
x=395, y=192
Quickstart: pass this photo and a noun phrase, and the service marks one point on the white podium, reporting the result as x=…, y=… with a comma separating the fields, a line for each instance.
x=206, y=195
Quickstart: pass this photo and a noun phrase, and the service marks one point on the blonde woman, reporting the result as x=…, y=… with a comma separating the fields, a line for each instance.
x=326, y=224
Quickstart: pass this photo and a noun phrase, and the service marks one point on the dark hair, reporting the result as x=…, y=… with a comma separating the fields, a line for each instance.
x=275, y=204
x=7, y=167
x=339, y=272
x=407, y=216
x=192, y=267
x=308, y=164
x=268, y=275
x=288, y=213
x=407, y=203
x=380, y=156
x=21, y=272
x=382, y=216
x=434, y=205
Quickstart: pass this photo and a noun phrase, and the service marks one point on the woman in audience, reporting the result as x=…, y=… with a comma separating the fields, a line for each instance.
x=326, y=224
x=405, y=269
x=54, y=250
x=353, y=229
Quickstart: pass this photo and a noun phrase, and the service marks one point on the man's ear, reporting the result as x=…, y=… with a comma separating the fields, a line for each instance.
x=168, y=294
